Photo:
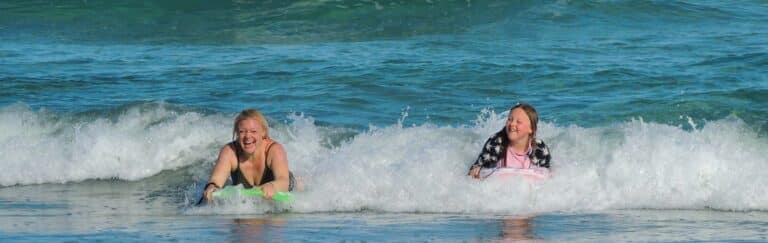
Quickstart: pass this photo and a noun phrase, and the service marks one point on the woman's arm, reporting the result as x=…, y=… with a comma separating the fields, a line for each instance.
x=220, y=171
x=278, y=162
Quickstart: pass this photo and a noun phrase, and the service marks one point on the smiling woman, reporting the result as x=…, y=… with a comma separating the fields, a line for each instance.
x=253, y=159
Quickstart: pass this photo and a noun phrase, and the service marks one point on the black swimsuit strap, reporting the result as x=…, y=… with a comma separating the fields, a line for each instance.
x=266, y=155
x=267, y=175
x=237, y=153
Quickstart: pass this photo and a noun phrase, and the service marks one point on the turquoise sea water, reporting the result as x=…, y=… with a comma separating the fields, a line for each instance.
x=111, y=115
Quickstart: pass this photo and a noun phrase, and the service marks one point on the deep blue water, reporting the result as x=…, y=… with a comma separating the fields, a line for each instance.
x=351, y=63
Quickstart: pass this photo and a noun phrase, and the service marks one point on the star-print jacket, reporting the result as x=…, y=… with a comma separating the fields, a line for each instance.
x=494, y=150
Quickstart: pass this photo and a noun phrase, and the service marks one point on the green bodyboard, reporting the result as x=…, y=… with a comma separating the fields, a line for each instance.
x=232, y=191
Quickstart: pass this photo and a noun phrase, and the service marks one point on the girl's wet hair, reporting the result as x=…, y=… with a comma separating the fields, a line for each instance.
x=250, y=114
x=532, y=115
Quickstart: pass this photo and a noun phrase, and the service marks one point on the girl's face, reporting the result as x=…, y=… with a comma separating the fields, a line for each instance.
x=518, y=126
x=249, y=135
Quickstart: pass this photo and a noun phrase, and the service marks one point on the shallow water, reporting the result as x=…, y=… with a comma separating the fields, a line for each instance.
x=130, y=213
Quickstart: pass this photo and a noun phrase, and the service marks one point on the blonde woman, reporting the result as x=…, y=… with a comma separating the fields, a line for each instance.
x=253, y=159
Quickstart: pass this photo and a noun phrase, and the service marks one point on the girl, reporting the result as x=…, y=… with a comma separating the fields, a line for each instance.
x=516, y=145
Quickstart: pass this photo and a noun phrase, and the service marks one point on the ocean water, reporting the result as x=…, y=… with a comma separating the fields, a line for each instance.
x=112, y=114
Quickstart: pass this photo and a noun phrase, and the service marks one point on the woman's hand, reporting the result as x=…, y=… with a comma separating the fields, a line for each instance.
x=269, y=190
x=475, y=172
x=209, y=189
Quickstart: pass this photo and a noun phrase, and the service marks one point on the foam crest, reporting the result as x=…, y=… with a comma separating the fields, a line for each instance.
x=42, y=147
x=398, y=168
x=631, y=165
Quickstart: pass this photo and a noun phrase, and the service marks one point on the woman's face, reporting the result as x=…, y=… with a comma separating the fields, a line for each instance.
x=249, y=135
x=518, y=126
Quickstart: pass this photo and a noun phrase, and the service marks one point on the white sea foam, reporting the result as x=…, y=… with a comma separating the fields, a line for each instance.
x=40, y=147
x=631, y=165
x=399, y=168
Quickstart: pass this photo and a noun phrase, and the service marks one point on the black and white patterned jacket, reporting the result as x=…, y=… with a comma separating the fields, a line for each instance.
x=495, y=149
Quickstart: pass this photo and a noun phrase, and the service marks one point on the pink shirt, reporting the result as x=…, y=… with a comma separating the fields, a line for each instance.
x=515, y=160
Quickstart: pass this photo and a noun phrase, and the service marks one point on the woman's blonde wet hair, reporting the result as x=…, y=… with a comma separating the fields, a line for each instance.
x=532, y=115
x=250, y=114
